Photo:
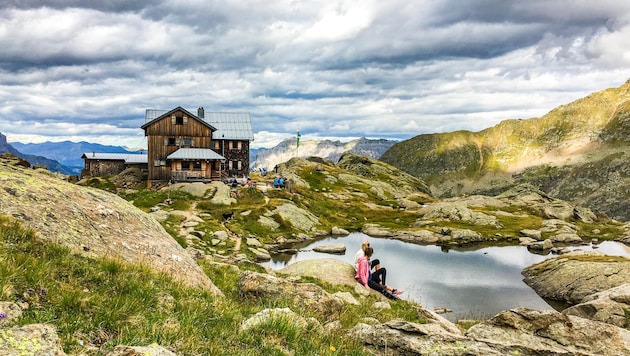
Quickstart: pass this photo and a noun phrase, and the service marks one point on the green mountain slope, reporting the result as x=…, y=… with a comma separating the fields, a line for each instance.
x=577, y=152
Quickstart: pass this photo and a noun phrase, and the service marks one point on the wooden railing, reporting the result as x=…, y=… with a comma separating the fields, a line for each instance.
x=183, y=176
x=187, y=175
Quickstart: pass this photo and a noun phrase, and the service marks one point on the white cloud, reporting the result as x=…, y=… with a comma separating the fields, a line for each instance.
x=332, y=69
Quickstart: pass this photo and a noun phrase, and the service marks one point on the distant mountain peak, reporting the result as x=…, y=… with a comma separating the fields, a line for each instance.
x=326, y=149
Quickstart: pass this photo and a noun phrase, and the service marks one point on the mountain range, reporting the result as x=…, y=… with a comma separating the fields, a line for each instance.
x=577, y=152
x=67, y=153
x=35, y=159
x=327, y=149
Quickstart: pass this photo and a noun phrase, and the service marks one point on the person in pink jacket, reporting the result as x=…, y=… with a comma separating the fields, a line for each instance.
x=363, y=275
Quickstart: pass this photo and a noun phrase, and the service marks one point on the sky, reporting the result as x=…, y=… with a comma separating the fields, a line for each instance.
x=87, y=70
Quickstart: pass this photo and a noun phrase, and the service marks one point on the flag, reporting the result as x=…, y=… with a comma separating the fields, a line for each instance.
x=298, y=138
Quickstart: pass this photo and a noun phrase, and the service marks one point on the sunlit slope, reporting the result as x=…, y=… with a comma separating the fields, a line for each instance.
x=591, y=133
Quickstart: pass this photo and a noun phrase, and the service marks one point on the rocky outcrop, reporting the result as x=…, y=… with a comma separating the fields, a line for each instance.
x=456, y=212
x=33, y=339
x=525, y=331
x=576, y=275
x=252, y=285
x=329, y=270
x=610, y=306
x=95, y=223
x=299, y=218
x=519, y=331
x=398, y=337
x=197, y=189
x=221, y=194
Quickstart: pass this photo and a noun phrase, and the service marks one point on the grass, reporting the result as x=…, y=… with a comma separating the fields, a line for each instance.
x=103, y=303
x=146, y=199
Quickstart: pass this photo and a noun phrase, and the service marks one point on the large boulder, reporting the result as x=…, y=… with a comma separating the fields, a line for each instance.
x=525, y=331
x=299, y=218
x=399, y=337
x=329, y=270
x=95, y=223
x=338, y=248
x=252, y=285
x=576, y=275
x=609, y=306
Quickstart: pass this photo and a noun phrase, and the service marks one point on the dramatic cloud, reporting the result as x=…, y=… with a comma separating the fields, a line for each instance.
x=77, y=70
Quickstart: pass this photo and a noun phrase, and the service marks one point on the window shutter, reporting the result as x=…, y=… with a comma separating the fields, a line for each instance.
x=240, y=145
x=185, y=120
x=192, y=142
x=166, y=141
x=173, y=120
x=239, y=164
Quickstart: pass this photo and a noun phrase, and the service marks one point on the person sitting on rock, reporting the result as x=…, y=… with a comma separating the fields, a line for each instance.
x=380, y=273
x=363, y=275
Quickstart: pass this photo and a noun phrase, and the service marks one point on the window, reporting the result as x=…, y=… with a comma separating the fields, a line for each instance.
x=197, y=166
x=185, y=166
x=216, y=145
x=171, y=141
x=187, y=141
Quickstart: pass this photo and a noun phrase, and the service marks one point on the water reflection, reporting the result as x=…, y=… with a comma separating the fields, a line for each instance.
x=473, y=282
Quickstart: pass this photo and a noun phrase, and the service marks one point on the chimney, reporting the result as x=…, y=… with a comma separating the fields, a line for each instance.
x=200, y=113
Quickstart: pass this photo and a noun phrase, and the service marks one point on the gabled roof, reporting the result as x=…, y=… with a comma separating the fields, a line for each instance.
x=229, y=126
x=157, y=115
x=195, y=153
x=129, y=158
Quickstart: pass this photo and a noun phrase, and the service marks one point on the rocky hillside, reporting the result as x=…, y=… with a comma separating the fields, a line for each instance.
x=227, y=229
x=577, y=152
x=92, y=222
x=329, y=150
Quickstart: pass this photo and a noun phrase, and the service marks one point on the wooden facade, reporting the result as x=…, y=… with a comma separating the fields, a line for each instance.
x=185, y=147
x=174, y=130
x=102, y=164
x=97, y=168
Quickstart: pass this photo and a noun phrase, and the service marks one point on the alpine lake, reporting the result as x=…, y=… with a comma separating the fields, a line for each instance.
x=474, y=282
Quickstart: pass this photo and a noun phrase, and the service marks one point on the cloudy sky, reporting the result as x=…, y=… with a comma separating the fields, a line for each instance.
x=87, y=70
